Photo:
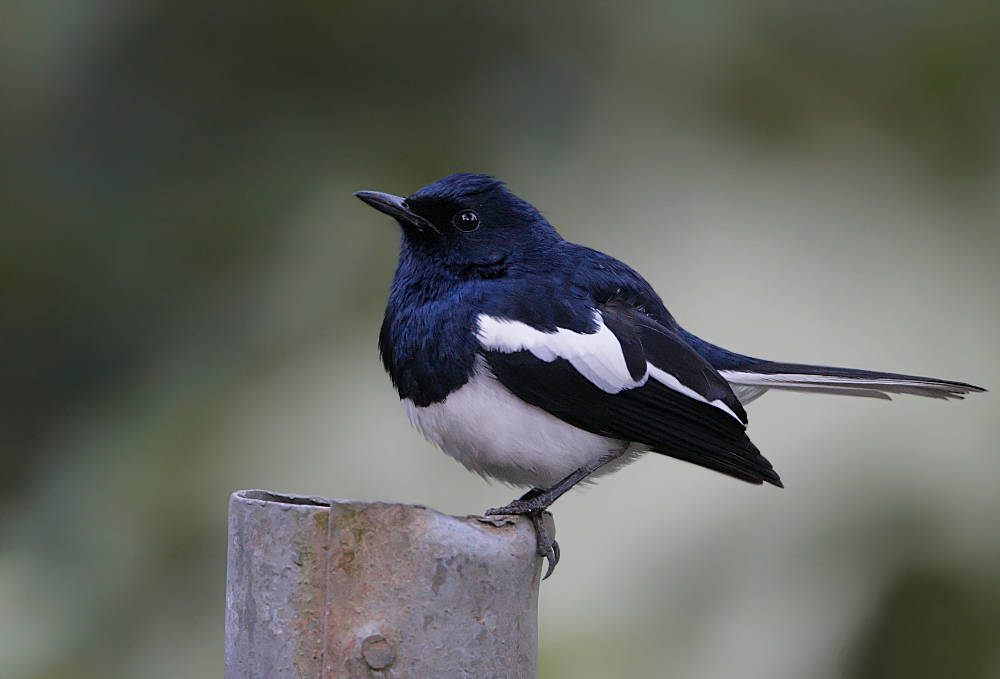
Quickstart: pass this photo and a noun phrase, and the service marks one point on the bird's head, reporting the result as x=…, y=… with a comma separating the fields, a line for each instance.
x=466, y=219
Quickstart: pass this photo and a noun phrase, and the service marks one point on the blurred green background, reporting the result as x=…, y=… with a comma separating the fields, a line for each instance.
x=190, y=297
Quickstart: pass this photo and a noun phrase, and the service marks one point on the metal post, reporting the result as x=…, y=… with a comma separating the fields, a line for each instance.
x=343, y=589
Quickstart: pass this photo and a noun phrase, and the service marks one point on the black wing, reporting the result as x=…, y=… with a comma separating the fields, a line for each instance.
x=677, y=405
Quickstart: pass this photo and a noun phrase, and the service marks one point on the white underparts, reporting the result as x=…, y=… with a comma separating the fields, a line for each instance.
x=495, y=434
x=598, y=356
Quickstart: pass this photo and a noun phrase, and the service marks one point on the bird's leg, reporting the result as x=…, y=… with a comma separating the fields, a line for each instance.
x=538, y=500
x=534, y=503
x=531, y=494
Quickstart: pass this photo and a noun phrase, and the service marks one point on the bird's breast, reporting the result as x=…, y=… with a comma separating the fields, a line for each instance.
x=428, y=349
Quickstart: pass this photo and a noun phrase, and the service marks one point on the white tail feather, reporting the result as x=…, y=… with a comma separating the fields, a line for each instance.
x=749, y=385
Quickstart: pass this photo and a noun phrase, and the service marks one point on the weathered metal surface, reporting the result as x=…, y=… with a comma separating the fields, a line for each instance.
x=276, y=585
x=332, y=589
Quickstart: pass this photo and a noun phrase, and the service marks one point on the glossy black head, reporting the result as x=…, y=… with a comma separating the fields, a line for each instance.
x=466, y=219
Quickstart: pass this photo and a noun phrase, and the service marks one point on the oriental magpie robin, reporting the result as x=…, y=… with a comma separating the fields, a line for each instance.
x=542, y=363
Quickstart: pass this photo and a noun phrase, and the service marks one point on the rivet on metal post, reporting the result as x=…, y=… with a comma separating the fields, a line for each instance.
x=317, y=588
x=378, y=652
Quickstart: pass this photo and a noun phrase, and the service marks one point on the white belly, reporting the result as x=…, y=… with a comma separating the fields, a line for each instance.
x=495, y=434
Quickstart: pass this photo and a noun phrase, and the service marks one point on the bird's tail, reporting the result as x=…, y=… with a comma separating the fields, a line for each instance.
x=753, y=378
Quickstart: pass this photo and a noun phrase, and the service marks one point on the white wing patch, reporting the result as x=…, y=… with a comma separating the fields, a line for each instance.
x=597, y=356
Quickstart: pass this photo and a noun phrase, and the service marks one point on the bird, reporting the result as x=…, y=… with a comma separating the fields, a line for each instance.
x=542, y=363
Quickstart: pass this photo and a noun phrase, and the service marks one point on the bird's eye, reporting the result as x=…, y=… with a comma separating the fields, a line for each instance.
x=466, y=221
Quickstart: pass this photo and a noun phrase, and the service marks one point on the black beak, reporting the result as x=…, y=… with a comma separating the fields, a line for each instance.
x=394, y=206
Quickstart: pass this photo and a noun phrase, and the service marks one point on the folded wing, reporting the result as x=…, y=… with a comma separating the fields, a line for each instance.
x=629, y=378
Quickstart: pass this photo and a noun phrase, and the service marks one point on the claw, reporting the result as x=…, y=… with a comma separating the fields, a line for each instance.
x=547, y=547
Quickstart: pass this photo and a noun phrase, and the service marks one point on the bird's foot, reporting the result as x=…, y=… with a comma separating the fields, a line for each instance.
x=534, y=510
x=547, y=547
x=523, y=506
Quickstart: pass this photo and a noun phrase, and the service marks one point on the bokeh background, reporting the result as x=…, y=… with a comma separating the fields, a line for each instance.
x=190, y=297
